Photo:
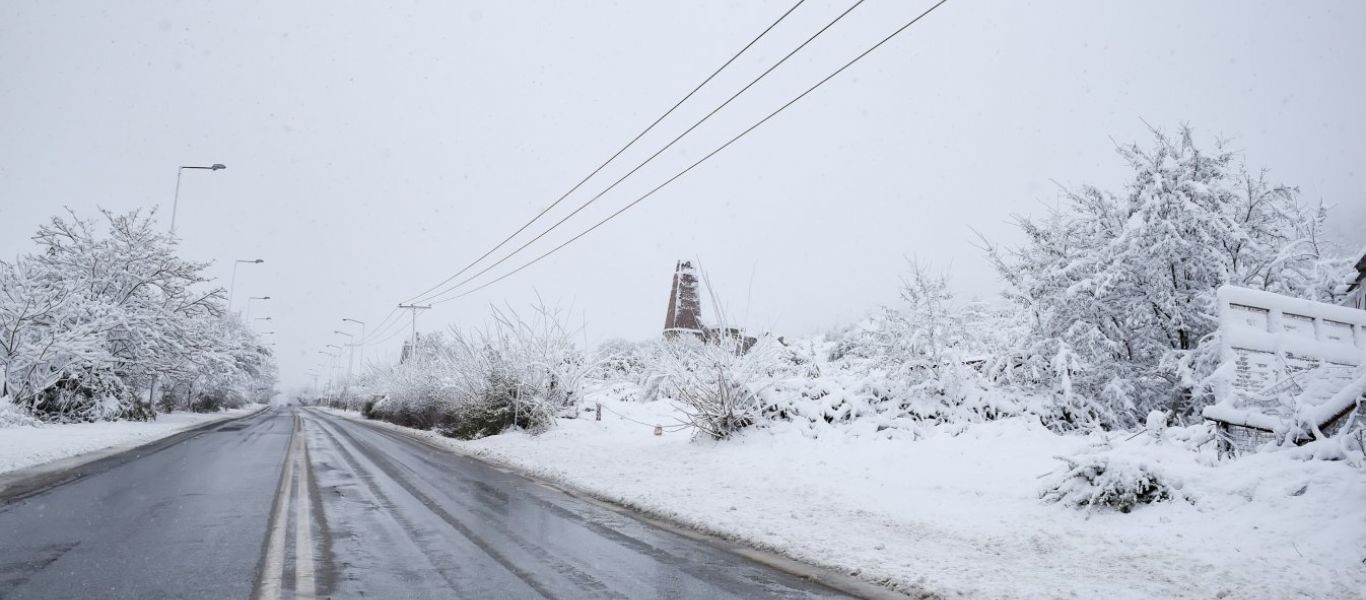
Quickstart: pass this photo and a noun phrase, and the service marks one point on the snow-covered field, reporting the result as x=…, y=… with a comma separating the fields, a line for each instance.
x=956, y=513
x=22, y=447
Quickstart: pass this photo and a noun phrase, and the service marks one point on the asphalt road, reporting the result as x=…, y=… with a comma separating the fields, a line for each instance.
x=301, y=504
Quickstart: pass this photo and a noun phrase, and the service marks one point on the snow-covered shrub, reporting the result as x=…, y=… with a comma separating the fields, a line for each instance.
x=521, y=372
x=12, y=416
x=622, y=360
x=716, y=385
x=930, y=359
x=1108, y=481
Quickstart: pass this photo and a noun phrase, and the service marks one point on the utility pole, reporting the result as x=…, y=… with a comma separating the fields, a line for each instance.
x=414, y=308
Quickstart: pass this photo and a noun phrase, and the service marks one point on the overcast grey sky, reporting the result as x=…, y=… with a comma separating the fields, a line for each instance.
x=373, y=151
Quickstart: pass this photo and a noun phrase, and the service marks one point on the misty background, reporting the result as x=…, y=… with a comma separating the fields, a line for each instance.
x=373, y=152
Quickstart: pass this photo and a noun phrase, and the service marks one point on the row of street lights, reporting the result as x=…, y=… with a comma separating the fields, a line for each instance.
x=175, y=205
x=335, y=357
x=232, y=287
x=351, y=345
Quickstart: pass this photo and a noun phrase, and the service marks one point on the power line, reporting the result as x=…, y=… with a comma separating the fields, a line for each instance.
x=395, y=332
x=618, y=153
x=742, y=134
x=380, y=334
x=651, y=158
x=386, y=326
x=375, y=331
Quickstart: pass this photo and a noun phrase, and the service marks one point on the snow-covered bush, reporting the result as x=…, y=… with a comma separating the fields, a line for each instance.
x=519, y=372
x=716, y=385
x=619, y=359
x=1111, y=481
x=930, y=359
x=12, y=416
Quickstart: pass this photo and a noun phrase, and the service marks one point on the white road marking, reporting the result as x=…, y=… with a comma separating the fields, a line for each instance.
x=275, y=550
x=305, y=587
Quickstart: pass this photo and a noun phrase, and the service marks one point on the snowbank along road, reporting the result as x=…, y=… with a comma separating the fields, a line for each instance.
x=300, y=504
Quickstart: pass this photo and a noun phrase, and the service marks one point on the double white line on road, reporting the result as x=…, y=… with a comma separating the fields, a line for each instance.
x=295, y=484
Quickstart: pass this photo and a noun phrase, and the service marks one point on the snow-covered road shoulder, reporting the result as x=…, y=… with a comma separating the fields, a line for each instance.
x=26, y=448
x=957, y=512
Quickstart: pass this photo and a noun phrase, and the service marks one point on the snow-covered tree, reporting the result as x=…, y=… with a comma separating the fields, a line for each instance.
x=104, y=313
x=1118, y=289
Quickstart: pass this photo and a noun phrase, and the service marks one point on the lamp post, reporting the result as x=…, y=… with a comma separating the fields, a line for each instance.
x=336, y=362
x=232, y=288
x=350, y=360
x=332, y=368
x=362, y=338
x=175, y=202
x=254, y=298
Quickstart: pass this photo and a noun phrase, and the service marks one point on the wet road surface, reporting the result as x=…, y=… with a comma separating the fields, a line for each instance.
x=302, y=504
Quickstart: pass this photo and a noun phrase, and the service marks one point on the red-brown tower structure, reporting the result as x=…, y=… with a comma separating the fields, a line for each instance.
x=685, y=307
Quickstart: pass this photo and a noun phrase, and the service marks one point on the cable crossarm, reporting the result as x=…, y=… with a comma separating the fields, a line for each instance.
x=651, y=158
x=742, y=134
x=423, y=296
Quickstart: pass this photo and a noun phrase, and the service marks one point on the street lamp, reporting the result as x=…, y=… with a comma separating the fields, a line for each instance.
x=336, y=361
x=362, y=338
x=249, y=299
x=232, y=289
x=350, y=358
x=175, y=202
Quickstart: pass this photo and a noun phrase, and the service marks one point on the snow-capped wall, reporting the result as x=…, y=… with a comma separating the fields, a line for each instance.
x=1275, y=348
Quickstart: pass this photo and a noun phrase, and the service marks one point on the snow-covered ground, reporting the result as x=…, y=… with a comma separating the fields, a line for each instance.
x=956, y=513
x=22, y=447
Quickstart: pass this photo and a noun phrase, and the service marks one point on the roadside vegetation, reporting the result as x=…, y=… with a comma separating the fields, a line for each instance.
x=105, y=321
x=1108, y=316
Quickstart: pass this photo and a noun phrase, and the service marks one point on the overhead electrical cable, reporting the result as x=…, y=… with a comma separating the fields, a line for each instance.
x=742, y=134
x=643, y=132
x=380, y=329
x=590, y=201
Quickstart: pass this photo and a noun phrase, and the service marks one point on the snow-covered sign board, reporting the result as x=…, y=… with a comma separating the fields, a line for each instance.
x=1283, y=354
